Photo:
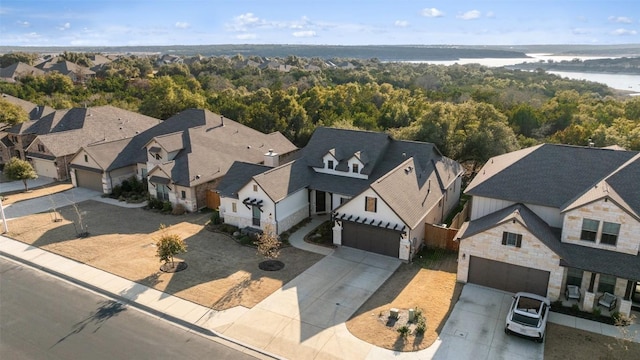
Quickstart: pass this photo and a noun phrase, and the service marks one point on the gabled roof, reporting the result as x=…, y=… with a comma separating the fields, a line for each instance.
x=409, y=194
x=209, y=145
x=522, y=214
x=103, y=153
x=18, y=70
x=547, y=175
x=236, y=177
x=65, y=131
x=34, y=111
x=67, y=67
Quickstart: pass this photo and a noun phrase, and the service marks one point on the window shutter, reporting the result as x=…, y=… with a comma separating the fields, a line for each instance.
x=375, y=205
x=504, y=238
x=519, y=240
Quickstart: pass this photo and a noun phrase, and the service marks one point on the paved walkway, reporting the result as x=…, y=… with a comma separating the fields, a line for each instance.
x=303, y=320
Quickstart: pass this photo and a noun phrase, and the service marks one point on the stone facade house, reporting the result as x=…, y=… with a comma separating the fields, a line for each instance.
x=183, y=158
x=550, y=216
x=380, y=192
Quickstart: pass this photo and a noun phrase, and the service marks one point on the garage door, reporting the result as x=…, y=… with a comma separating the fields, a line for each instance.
x=45, y=168
x=507, y=277
x=371, y=238
x=88, y=179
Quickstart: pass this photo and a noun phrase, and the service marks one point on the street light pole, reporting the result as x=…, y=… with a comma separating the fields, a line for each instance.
x=4, y=219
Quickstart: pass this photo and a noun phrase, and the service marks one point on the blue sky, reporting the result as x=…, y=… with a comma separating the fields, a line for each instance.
x=345, y=22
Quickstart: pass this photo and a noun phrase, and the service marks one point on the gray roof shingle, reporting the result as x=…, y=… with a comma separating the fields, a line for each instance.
x=547, y=175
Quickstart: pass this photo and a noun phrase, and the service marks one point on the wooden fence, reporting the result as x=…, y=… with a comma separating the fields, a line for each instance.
x=213, y=199
x=443, y=237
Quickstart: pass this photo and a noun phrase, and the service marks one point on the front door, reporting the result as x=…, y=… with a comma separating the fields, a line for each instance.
x=256, y=215
x=321, y=202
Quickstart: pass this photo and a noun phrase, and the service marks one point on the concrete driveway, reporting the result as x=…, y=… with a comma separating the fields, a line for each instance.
x=305, y=318
x=475, y=329
x=46, y=203
x=10, y=186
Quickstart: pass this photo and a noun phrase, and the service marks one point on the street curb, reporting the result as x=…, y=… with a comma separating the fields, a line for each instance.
x=170, y=318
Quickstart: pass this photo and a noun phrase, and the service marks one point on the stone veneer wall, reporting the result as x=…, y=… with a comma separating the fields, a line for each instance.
x=293, y=219
x=201, y=192
x=628, y=239
x=533, y=254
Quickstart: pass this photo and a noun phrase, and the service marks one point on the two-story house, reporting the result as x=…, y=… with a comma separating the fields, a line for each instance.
x=380, y=192
x=550, y=216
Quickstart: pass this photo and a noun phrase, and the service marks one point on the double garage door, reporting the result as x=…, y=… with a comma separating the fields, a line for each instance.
x=371, y=238
x=507, y=277
x=89, y=179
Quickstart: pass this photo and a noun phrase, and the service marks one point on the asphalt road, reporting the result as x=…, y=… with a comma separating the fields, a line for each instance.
x=44, y=318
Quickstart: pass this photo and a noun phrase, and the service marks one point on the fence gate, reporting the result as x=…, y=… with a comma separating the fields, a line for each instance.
x=213, y=200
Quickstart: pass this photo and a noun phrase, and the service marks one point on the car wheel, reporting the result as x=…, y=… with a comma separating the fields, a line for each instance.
x=506, y=331
x=541, y=339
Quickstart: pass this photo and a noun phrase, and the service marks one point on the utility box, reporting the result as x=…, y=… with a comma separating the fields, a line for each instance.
x=412, y=315
x=393, y=313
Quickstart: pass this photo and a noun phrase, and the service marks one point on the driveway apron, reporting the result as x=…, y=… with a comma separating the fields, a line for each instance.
x=305, y=318
x=475, y=329
x=47, y=203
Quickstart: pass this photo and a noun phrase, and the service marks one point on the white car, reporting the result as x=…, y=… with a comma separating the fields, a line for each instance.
x=528, y=315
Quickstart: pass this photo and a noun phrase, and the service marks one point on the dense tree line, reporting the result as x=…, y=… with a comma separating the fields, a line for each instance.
x=470, y=112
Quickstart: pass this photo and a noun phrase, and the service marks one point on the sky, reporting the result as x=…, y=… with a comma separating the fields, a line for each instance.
x=326, y=22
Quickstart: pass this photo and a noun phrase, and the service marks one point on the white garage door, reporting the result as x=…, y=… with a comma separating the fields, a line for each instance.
x=44, y=167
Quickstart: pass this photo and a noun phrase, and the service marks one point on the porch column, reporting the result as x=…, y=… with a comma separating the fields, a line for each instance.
x=589, y=295
x=337, y=233
x=405, y=248
x=625, y=301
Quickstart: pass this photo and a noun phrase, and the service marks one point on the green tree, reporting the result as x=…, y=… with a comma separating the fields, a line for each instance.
x=169, y=245
x=14, y=57
x=18, y=169
x=12, y=114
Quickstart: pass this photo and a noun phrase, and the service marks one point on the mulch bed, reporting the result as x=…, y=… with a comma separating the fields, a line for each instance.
x=271, y=265
x=173, y=268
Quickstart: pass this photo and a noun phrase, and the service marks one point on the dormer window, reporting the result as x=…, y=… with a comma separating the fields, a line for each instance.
x=40, y=148
x=330, y=164
x=157, y=156
x=355, y=168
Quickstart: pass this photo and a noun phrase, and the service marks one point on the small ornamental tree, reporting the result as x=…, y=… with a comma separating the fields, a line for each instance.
x=169, y=245
x=18, y=169
x=268, y=242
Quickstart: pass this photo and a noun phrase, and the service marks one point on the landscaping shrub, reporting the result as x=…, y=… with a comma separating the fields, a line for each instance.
x=125, y=186
x=116, y=192
x=227, y=229
x=403, y=331
x=155, y=203
x=215, y=218
x=167, y=207
x=421, y=326
x=245, y=240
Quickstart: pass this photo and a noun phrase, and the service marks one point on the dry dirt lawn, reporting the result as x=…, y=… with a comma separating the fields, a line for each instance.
x=221, y=273
x=429, y=284
x=563, y=343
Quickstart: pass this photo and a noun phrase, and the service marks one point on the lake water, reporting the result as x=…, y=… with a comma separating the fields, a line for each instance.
x=616, y=81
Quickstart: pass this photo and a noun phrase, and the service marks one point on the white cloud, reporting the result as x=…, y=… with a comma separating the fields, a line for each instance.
x=23, y=23
x=490, y=14
x=182, y=25
x=469, y=15
x=246, y=36
x=620, y=19
x=305, y=33
x=623, y=32
x=65, y=26
x=432, y=12
x=401, y=23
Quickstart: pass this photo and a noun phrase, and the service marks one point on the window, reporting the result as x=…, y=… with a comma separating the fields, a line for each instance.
x=234, y=207
x=183, y=194
x=255, y=187
x=511, y=239
x=157, y=156
x=40, y=148
x=162, y=192
x=86, y=158
x=589, y=229
x=610, y=233
x=370, y=204
x=330, y=164
x=343, y=200
x=607, y=283
x=574, y=276
x=354, y=168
